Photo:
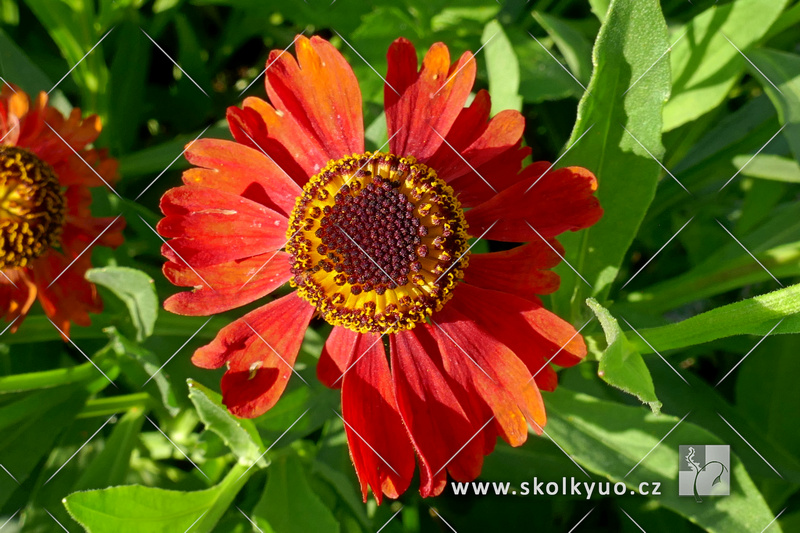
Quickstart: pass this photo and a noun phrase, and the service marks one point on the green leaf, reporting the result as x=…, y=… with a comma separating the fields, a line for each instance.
x=600, y=8
x=755, y=316
x=240, y=435
x=609, y=439
x=19, y=70
x=630, y=42
x=783, y=70
x=705, y=66
x=136, y=289
x=110, y=467
x=620, y=364
x=577, y=51
x=768, y=167
x=503, y=67
x=289, y=505
x=134, y=508
x=541, y=78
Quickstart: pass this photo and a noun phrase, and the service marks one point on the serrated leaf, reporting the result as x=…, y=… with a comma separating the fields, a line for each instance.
x=136, y=289
x=240, y=435
x=621, y=366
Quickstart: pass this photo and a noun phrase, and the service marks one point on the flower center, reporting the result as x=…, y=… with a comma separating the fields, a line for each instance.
x=32, y=207
x=378, y=242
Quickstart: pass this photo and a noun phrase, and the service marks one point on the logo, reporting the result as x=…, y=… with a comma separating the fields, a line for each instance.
x=705, y=470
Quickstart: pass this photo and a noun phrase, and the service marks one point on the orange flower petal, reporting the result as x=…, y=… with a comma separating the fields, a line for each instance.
x=335, y=355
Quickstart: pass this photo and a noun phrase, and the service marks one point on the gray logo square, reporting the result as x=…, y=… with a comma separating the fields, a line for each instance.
x=704, y=470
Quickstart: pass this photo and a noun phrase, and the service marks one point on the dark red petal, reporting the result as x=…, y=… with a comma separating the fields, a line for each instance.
x=335, y=354
x=378, y=441
x=320, y=93
x=441, y=431
x=243, y=171
x=210, y=226
x=522, y=271
x=500, y=172
x=497, y=374
x=561, y=200
x=532, y=332
x=260, y=350
x=226, y=286
x=424, y=101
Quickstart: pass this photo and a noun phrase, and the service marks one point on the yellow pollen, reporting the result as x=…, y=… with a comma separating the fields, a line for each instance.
x=32, y=207
x=378, y=242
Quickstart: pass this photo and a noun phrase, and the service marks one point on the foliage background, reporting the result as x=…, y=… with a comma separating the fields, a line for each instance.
x=732, y=89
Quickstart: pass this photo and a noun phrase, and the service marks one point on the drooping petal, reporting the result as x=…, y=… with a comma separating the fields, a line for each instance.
x=240, y=170
x=260, y=350
x=17, y=294
x=533, y=333
x=490, y=178
x=211, y=226
x=378, y=441
x=523, y=270
x=496, y=373
x=421, y=107
x=562, y=200
x=320, y=92
x=440, y=429
x=223, y=287
x=335, y=355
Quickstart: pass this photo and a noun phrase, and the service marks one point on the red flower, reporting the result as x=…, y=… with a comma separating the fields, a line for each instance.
x=45, y=220
x=378, y=244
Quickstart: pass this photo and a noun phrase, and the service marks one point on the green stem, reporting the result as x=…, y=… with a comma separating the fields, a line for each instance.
x=114, y=404
x=47, y=378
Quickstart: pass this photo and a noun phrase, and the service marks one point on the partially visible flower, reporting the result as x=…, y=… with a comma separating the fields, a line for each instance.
x=45, y=220
x=377, y=245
